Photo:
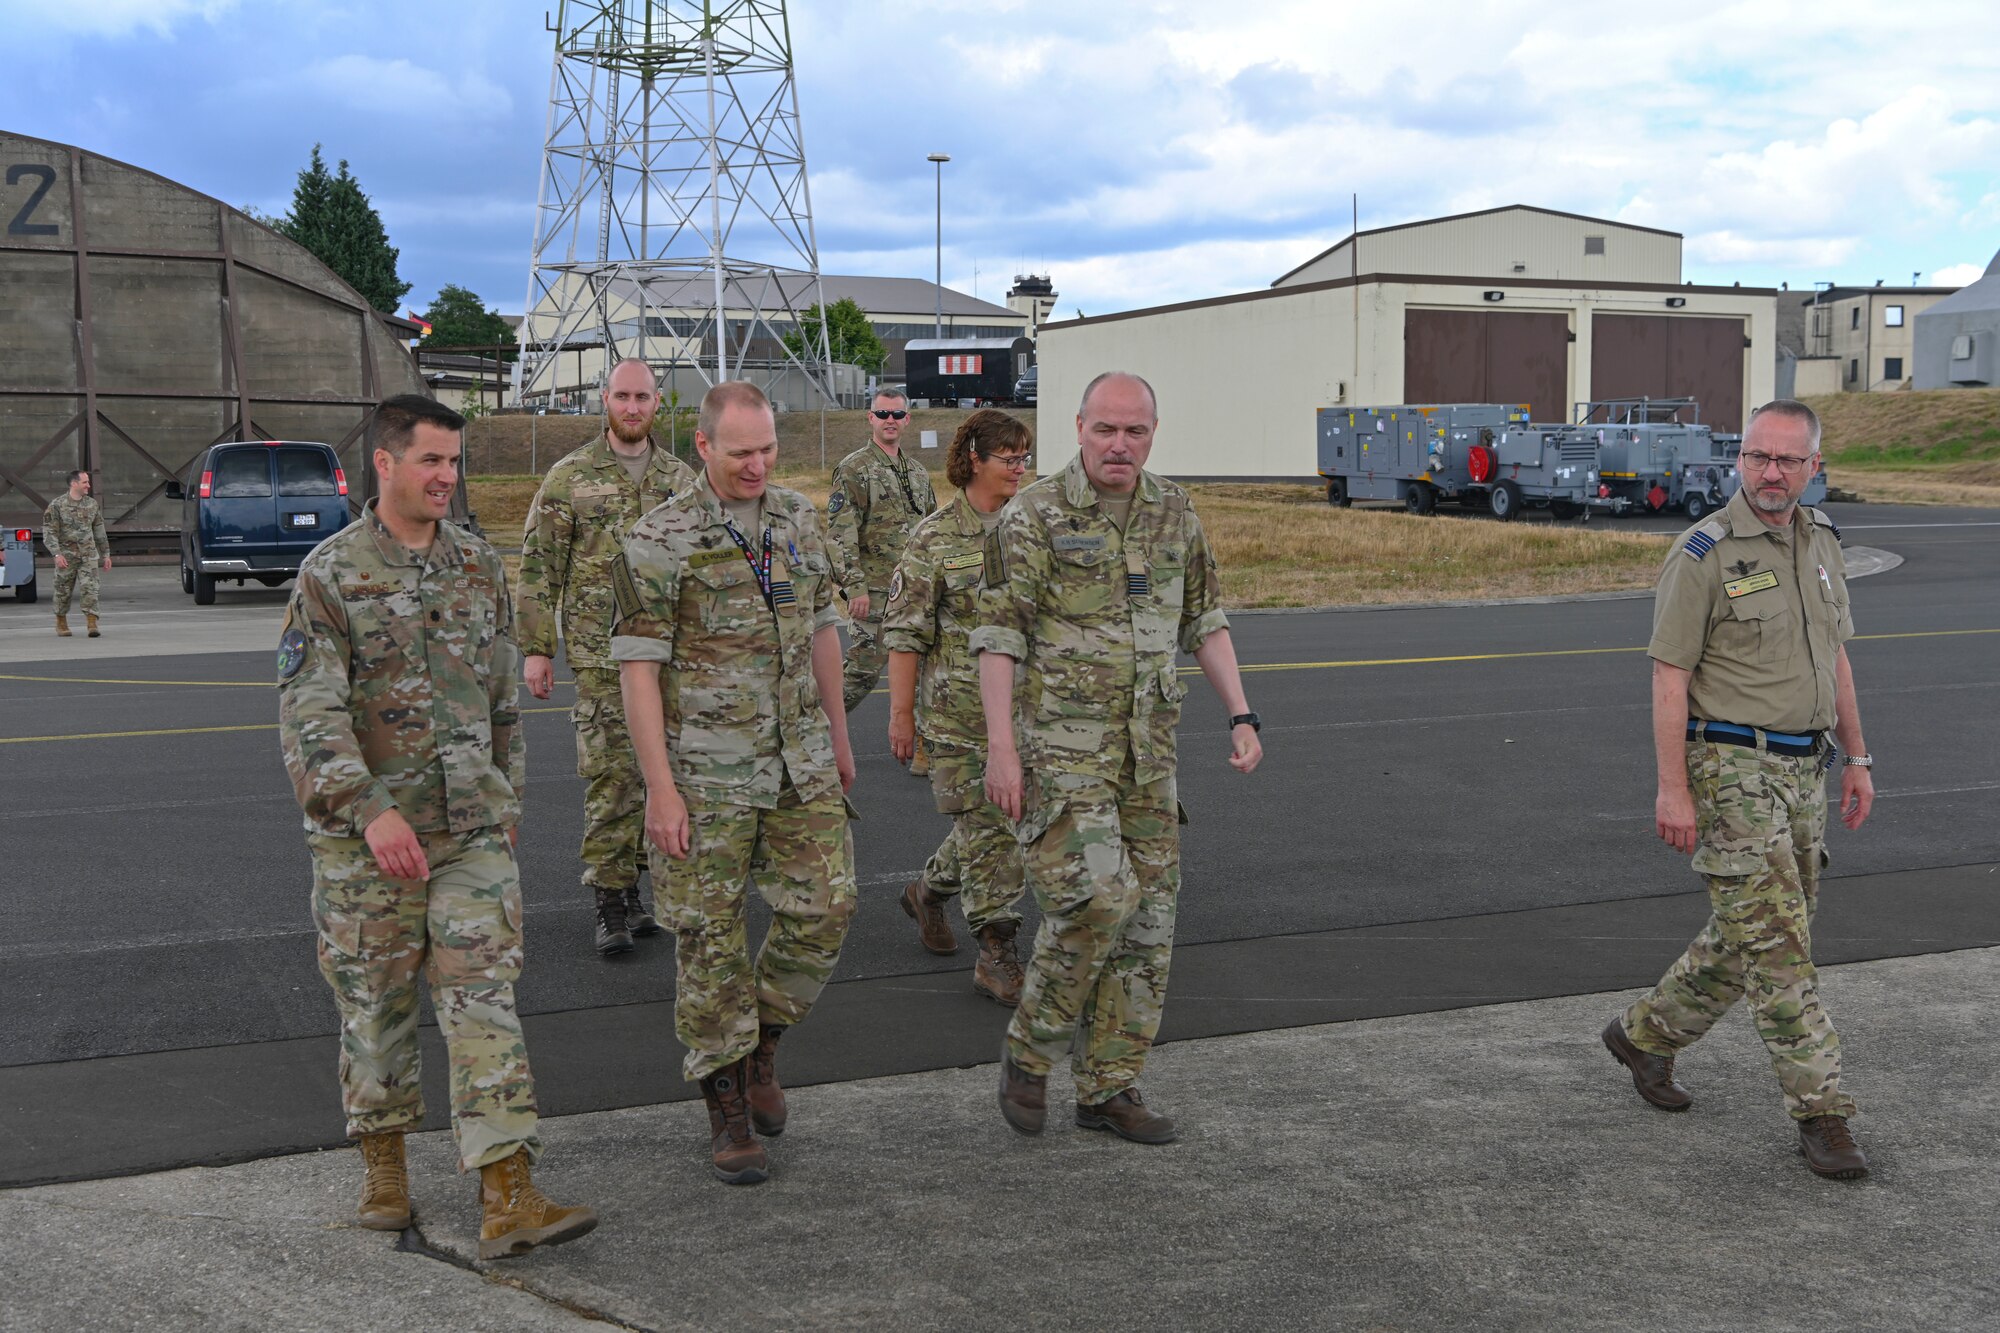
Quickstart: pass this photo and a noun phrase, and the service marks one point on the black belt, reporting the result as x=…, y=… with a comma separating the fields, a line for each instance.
x=1753, y=738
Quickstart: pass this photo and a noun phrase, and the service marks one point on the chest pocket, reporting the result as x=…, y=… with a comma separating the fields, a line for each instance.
x=1757, y=629
x=383, y=630
x=724, y=596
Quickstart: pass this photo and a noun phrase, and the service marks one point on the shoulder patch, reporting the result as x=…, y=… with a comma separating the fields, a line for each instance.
x=291, y=652
x=896, y=585
x=1697, y=544
x=623, y=591
x=835, y=503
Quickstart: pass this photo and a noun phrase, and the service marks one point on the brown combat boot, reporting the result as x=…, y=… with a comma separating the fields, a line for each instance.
x=1652, y=1075
x=766, y=1097
x=1829, y=1148
x=927, y=910
x=385, y=1190
x=637, y=919
x=62, y=625
x=738, y=1157
x=612, y=935
x=516, y=1217
x=997, y=974
x=1024, y=1097
x=1127, y=1116
x=90, y=623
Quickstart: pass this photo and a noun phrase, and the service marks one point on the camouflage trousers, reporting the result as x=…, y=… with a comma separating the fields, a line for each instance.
x=614, y=793
x=462, y=930
x=78, y=581
x=801, y=861
x=1104, y=861
x=979, y=861
x=1761, y=825
x=866, y=653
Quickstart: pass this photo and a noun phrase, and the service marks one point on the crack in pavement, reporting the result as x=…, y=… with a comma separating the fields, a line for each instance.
x=411, y=1240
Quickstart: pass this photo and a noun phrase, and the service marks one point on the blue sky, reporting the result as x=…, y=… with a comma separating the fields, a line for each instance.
x=1138, y=152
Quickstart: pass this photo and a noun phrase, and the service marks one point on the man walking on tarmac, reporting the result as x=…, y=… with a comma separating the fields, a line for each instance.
x=576, y=527
x=879, y=496
x=73, y=530
x=399, y=726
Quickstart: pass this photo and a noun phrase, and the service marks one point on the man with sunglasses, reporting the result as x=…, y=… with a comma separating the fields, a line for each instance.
x=879, y=496
x=1750, y=673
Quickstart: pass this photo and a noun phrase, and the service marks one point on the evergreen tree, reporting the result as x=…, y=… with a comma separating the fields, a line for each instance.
x=849, y=334
x=458, y=318
x=333, y=218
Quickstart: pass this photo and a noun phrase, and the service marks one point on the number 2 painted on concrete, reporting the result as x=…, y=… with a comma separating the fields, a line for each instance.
x=20, y=226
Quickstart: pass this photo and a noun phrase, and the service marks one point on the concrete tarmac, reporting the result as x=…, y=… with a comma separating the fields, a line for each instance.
x=1489, y=1168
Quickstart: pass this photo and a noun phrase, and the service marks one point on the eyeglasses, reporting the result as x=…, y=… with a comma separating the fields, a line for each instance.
x=1012, y=462
x=1757, y=461
x=881, y=415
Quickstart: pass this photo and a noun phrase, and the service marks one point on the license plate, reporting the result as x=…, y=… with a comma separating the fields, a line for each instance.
x=305, y=520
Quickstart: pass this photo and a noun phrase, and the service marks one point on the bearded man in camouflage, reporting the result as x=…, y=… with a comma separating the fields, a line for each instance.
x=1092, y=580
x=1750, y=671
x=728, y=646
x=397, y=716
x=575, y=529
x=879, y=496
x=934, y=692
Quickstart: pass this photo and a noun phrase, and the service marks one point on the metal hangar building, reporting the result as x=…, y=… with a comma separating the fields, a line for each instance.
x=1509, y=305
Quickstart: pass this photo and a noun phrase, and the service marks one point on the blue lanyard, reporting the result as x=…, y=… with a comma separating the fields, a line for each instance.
x=761, y=570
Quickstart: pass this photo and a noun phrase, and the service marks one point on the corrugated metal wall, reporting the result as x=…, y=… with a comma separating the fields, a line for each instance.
x=1491, y=244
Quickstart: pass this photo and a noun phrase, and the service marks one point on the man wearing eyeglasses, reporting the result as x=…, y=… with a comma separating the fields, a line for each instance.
x=1750, y=673
x=879, y=496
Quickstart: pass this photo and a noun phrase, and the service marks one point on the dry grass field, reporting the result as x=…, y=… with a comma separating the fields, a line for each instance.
x=1283, y=545
x=1936, y=447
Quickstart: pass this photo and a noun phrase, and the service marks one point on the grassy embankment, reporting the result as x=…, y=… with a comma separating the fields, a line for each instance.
x=1940, y=446
x=1284, y=546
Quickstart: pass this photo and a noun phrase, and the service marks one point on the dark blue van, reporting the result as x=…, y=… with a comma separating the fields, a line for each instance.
x=255, y=511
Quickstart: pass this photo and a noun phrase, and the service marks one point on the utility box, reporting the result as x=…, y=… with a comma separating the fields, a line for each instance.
x=1485, y=456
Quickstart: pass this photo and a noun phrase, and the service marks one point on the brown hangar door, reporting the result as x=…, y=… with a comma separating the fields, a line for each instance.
x=1487, y=356
x=1671, y=356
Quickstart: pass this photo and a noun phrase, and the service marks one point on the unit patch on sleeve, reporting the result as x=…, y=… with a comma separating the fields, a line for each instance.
x=623, y=590
x=291, y=653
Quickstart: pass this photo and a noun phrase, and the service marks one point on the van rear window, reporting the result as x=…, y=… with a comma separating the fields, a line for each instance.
x=242, y=474
x=305, y=472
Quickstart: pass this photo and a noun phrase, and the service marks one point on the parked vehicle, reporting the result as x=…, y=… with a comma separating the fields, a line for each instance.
x=1025, y=387
x=255, y=511
x=1485, y=456
x=948, y=371
x=17, y=563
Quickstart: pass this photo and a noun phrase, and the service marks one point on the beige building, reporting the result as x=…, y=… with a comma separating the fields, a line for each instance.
x=1596, y=310
x=1868, y=334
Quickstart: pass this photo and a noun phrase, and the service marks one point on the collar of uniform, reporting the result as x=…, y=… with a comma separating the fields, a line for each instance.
x=1743, y=520
x=776, y=513
x=604, y=459
x=444, y=547
x=1082, y=495
x=966, y=516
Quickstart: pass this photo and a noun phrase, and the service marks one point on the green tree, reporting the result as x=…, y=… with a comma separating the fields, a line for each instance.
x=458, y=318
x=850, y=335
x=334, y=219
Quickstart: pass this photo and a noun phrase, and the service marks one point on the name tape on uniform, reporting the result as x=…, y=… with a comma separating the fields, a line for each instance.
x=1755, y=583
x=972, y=561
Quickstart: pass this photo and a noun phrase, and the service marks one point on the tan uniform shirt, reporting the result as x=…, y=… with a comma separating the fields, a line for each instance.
x=1758, y=615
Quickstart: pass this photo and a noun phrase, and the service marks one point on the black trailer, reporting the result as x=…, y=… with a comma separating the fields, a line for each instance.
x=980, y=371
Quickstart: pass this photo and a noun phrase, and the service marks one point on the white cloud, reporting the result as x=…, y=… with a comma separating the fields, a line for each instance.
x=108, y=18
x=402, y=88
x=1958, y=275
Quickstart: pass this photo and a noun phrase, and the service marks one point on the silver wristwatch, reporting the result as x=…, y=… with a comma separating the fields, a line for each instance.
x=1858, y=760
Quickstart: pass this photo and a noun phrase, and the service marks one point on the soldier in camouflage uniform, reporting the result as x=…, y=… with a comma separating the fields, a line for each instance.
x=1093, y=579
x=73, y=530
x=575, y=529
x=399, y=727
x=879, y=496
x=728, y=645
x=1750, y=671
x=934, y=684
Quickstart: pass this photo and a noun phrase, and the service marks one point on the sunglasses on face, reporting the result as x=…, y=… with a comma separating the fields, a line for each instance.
x=891, y=415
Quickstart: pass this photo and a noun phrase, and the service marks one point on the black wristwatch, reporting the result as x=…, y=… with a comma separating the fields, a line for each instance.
x=1255, y=723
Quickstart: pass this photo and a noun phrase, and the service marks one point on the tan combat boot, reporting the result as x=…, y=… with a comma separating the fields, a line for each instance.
x=516, y=1217
x=763, y=1092
x=927, y=910
x=385, y=1192
x=997, y=973
x=62, y=625
x=738, y=1157
x=90, y=622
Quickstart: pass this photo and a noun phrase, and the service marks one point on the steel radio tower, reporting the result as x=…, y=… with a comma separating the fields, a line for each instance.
x=673, y=222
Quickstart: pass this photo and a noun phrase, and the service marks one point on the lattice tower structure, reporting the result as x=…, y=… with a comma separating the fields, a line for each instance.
x=674, y=219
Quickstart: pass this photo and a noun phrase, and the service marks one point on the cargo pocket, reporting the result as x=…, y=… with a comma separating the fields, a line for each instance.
x=583, y=717
x=1738, y=864
x=1171, y=688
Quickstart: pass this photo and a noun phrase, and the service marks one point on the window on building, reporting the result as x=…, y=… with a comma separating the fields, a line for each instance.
x=1853, y=370
x=1892, y=317
x=1854, y=318
x=1593, y=245
x=1892, y=368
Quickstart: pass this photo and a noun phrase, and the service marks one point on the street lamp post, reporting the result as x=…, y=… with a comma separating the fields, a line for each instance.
x=940, y=159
